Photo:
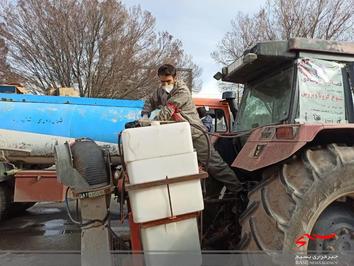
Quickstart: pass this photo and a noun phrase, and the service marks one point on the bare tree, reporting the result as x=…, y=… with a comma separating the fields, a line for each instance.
x=4, y=67
x=99, y=47
x=6, y=73
x=284, y=19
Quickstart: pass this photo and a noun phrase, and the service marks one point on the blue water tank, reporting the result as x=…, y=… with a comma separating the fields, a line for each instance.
x=32, y=124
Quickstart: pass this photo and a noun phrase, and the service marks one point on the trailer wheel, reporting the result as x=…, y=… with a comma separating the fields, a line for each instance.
x=5, y=201
x=297, y=197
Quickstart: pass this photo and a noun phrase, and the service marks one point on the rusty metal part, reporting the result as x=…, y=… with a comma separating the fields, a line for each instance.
x=201, y=175
x=276, y=150
x=134, y=234
x=170, y=220
x=37, y=186
x=169, y=198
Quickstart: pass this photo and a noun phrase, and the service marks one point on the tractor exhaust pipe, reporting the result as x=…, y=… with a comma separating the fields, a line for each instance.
x=230, y=97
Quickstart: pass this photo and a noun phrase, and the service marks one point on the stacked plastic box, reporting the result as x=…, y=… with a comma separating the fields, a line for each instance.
x=154, y=153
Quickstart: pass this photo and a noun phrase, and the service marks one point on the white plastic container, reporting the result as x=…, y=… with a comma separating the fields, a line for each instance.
x=172, y=244
x=156, y=141
x=153, y=203
x=158, y=168
x=177, y=236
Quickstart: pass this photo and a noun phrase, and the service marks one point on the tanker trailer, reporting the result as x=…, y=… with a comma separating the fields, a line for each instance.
x=32, y=125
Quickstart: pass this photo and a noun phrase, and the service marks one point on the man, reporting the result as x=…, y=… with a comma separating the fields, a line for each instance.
x=174, y=100
x=206, y=119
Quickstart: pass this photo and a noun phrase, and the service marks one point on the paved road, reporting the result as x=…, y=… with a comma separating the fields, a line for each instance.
x=44, y=236
x=46, y=226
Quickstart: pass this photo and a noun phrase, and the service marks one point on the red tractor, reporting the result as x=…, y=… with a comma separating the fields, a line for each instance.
x=294, y=147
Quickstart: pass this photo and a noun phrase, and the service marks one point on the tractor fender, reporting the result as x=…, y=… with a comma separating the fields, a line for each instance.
x=269, y=145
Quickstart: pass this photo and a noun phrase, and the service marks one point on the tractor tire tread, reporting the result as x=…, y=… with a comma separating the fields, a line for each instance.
x=270, y=213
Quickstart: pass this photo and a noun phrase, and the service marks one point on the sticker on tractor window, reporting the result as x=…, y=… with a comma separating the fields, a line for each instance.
x=321, y=92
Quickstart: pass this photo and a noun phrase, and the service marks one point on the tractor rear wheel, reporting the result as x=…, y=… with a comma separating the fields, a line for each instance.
x=311, y=193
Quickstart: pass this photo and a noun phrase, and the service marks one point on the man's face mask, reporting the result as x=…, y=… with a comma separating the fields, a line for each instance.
x=167, y=83
x=168, y=87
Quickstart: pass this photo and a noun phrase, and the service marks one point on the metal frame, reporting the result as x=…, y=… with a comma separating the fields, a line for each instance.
x=167, y=181
x=135, y=239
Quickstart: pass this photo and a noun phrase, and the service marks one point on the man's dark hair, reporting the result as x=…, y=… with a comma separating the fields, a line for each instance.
x=166, y=70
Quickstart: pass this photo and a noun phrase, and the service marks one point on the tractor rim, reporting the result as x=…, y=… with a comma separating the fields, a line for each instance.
x=344, y=233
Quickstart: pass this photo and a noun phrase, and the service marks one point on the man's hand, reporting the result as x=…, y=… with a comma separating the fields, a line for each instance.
x=144, y=121
x=132, y=124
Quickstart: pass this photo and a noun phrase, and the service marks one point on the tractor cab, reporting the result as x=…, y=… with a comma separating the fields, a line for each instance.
x=295, y=81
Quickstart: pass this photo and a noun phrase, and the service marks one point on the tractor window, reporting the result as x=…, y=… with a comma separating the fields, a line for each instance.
x=350, y=70
x=213, y=119
x=266, y=102
x=220, y=121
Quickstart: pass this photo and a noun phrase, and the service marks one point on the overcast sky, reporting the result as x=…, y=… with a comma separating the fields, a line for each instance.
x=199, y=24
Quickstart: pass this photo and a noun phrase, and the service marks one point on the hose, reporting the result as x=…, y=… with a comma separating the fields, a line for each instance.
x=231, y=136
x=121, y=152
x=206, y=133
x=68, y=209
x=121, y=200
x=240, y=133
